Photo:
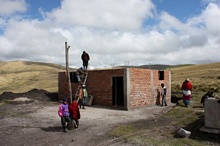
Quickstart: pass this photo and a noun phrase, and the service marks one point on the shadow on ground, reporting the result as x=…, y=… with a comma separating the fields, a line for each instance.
x=52, y=129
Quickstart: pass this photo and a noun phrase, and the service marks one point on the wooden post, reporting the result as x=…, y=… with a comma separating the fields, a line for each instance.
x=67, y=70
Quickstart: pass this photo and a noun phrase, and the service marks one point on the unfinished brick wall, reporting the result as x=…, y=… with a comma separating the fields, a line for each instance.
x=145, y=87
x=141, y=86
x=63, y=86
x=99, y=84
x=157, y=85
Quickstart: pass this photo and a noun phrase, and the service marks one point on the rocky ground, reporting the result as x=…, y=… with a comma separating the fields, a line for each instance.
x=31, y=119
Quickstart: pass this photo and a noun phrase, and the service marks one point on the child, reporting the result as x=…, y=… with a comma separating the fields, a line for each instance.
x=74, y=113
x=63, y=112
x=84, y=97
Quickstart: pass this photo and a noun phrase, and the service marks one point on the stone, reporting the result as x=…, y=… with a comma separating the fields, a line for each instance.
x=183, y=133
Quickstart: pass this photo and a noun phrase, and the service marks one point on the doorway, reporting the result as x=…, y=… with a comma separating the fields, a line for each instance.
x=117, y=91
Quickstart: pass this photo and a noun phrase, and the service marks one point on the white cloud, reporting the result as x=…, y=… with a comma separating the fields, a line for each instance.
x=111, y=32
x=211, y=18
x=108, y=14
x=31, y=40
x=9, y=7
x=210, y=1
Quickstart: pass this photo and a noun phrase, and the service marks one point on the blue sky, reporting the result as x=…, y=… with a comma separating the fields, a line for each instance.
x=113, y=32
x=182, y=9
x=46, y=5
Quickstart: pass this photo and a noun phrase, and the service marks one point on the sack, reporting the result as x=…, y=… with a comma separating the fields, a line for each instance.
x=60, y=113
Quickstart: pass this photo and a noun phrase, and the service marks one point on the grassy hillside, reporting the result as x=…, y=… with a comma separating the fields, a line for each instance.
x=22, y=76
x=204, y=77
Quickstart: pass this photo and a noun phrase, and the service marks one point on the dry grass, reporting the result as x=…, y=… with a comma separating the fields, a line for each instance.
x=204, y=77
x=22, y=76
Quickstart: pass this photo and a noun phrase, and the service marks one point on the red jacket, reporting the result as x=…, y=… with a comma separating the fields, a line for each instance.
x=186, y=85
x=74, y=110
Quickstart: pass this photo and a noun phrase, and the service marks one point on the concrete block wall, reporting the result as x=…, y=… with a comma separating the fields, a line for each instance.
x=212, y=113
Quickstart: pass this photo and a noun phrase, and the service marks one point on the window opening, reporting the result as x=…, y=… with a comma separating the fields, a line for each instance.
x=161, y=75
x=73, y=78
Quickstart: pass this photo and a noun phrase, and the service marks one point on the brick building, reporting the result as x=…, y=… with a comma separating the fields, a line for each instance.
x=124, y=88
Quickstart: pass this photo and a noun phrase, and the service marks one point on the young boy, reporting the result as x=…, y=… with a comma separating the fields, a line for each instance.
x=74, y=113
x=85, y=95
x=64, y=114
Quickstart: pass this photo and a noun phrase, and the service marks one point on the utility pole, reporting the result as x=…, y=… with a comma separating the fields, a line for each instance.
x=67, y=70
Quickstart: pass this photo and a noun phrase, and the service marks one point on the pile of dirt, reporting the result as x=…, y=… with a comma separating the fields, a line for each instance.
x=34, y=94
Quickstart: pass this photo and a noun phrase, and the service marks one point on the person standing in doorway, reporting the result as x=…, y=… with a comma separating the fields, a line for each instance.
x=186, y=89
x=163, y=95
x=85, y=58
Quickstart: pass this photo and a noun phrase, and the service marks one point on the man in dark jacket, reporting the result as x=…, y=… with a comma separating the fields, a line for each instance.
x=85, y=58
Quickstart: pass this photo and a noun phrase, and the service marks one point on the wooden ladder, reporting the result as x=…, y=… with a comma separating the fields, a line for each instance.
x=83, y=82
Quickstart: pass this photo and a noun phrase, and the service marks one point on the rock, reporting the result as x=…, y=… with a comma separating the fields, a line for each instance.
x=183, y=133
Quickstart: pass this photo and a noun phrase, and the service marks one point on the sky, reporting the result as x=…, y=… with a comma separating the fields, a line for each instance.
x=113, y=32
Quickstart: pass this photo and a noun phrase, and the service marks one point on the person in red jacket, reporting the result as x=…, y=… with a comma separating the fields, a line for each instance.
x=187, y=89
x=74, y=113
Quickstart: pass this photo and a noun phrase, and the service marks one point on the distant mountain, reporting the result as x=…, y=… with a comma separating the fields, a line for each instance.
x=157, y=66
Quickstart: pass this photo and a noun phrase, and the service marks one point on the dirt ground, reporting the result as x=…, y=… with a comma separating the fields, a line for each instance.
x=32, y=119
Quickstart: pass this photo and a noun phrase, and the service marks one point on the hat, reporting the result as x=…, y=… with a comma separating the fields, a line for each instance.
x=187, y=79
x=83, y=85
x=64, y=99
